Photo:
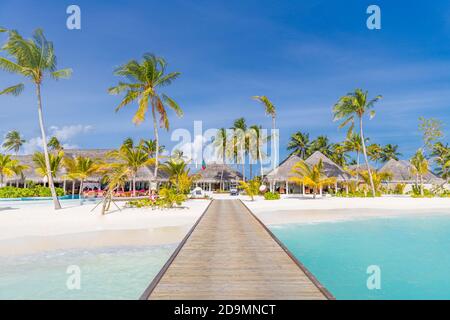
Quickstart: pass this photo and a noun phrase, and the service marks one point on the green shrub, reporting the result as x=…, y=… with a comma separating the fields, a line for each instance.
x=168, y=198
x=35, y=191
x=271, y=196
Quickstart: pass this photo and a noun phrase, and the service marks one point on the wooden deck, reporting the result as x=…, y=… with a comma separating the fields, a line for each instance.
x=230, y=254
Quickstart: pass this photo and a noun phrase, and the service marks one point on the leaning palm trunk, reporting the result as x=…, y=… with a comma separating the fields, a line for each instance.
x=1, y=180
x=134, y=185
x=155, y=129
x=80, y=192
x=365, y=157
x=44, y=143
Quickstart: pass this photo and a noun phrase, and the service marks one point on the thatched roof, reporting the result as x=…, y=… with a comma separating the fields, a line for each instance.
x=362, y=167
x=331, y=169
x=283, y=171
x=402, y=173
x=213, y=173
x=144, y=174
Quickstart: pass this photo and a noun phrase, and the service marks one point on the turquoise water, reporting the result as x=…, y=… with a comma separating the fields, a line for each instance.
x=413, y=254
x=114, y=273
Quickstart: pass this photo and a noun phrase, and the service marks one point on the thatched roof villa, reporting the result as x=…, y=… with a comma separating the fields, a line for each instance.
x=402, y=173
x=143, y=178
x=217, y=176
x=278, y=178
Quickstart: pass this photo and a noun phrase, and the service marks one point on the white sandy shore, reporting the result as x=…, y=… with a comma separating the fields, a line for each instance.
x=307, y=210
x=28, y=228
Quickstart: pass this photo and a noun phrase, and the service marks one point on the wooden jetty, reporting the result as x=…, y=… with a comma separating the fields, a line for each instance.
x=230, y=254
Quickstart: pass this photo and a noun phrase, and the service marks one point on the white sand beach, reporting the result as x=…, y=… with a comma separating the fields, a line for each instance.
x=29, y=228
x=296, y=209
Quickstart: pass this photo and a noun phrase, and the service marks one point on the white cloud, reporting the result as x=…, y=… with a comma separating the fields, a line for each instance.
x=63, y=134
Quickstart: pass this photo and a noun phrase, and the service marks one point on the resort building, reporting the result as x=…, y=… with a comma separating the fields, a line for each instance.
x=217, y=177
x=402, y=173
x=278, y=178
x=144, y=175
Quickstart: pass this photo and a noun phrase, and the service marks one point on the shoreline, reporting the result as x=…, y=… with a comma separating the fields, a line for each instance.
x=28, y=229
x=292, y=210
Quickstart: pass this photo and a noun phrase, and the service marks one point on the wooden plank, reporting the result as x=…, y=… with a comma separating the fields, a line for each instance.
x=230, y=254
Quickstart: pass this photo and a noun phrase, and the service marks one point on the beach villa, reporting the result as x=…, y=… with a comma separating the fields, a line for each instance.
x=217, y=176
x=143, y=178
x=402, y=173
x=278, y=178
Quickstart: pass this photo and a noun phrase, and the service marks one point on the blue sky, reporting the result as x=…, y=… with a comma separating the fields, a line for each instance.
x=304, y=55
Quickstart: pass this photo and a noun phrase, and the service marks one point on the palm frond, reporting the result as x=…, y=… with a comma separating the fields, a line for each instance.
x=61, y=74
x=13, y=90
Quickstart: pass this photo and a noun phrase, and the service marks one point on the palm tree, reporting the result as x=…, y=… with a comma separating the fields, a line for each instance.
x=6, y=168
x=133, y=158
x=149, y=146
x=178, y=174
x=18, y=171
x=353, y=144
x=356, y=105
x=221, y=145
x=390, y=152
x=54, y=144
x=33, y=58
x=374, y=152
x=240, y=140
x=378, y=178
x=311, y=176
x=81, y=168
x=256, y=142
x=419, y=167
x=339, y=154
x=271, y=111
x=55, y=160
x=300, y=144
x=13, y=141
x=145, y=79
x=129, y=142
x=116, y=175
x=322, y=144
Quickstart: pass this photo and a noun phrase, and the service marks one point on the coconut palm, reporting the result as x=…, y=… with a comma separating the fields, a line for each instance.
x=19, y=172
x=54, y=144
x=33, y=59
x=389, y=152
x=339, y=154
x=322, y=144
x=134, y=158
x=6, y=168
x=13, y=141
x=353, y=107
x=311, y=176
x=149, y=146
x=299, y=144
x=221, y=146
x=374, y=152
x=378, y=178
x=241, y=142
x=256, y=143
x=145, y=79
x=116, y=176
x=178, y=174
x=353, y=144
x=129, y=142
x=419, y=168
x=56, y=161
x=81, y=168
x=271, y=111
